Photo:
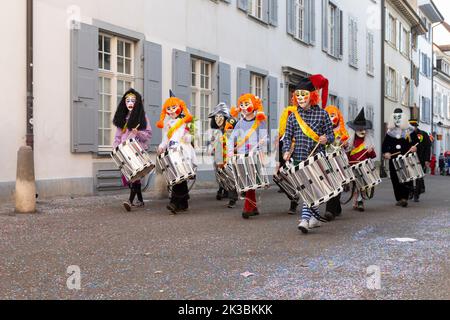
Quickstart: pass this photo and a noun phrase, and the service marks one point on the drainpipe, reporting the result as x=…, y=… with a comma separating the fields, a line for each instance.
x=382, y=111
x=29, y=107
x=433, y=146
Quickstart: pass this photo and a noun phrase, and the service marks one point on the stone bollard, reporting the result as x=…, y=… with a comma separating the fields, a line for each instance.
x=25, y=195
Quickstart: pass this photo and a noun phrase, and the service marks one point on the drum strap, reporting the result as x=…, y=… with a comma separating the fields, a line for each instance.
x=249, y=134
x=358, y=149
x=307, y=131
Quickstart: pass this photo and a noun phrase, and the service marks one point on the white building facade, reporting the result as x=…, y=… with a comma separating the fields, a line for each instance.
x=87, y=53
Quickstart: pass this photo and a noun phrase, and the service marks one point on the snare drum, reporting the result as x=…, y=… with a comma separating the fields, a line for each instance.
x=366, y=174
x=225, y=178
x=249, y=172
x=314, y=180
x=133, y=161
x=340, y=164
x=408, y=168
x=176, y=165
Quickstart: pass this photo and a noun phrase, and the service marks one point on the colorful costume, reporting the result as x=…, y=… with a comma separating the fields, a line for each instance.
x=177, y=133
x=130, y=115
x=334, y=208
x=398, y=140
x=360, y=148
x=222, y=121
x=248, y=135
x=306, y=125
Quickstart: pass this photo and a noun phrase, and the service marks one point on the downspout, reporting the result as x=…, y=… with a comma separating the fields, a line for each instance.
x=383, y=75
x=433, y=146
x=29, y=107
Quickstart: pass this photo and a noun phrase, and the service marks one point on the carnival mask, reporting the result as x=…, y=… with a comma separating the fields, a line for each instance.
x=334, y=119
x=173, y=111
x=247, y=107
x=303, y=98
x=220, y=120
x=130, y=102
x=398, y=119
x=361, y=133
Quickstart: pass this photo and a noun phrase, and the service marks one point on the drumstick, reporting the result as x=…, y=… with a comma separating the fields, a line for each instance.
x=410, y=149
x=362, y=155
x=137, y=126
x=318, y=144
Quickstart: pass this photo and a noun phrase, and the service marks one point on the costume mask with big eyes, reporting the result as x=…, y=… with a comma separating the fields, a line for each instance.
x=130, y=102
x=303, y=98
x=220, y=120
x=334, y=119
x=247, y=108
x=398, y=119
x=173, y=111
x=361, y=133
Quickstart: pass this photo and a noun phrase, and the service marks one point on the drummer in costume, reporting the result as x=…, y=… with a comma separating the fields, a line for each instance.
x=248, y=135
x=361, y=147
x=175, y=133
x=221, y=120
x=334, y=208
x=398, y=142
x=132, y=122
x=424, y=153
x=309, y=125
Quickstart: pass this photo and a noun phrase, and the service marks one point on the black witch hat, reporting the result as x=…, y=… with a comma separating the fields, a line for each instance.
x=360, y=123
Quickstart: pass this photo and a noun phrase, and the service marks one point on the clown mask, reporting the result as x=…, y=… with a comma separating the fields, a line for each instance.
x=398, y=119
x=303, y=98
x=361, y=133
x=173, y=111
x=130, y=102
x=247, y=108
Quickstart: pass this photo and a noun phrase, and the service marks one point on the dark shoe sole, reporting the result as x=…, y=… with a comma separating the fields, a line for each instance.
x=329, y=216
x=172, y=209
x=127, y=206
x=303, y=230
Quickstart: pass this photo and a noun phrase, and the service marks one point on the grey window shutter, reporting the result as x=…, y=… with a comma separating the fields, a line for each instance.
x=182, y=75
x=340, y=34
x=243, y=5
x=243, y=82
x=224, y=83
x=273, y=12
x=386, y=21
x=153, y=86
x=273, y=103
x=84, y=89
x=307, y=21
x=312, y=21
x=265, y=11
x=290, y=17
x=325, y=25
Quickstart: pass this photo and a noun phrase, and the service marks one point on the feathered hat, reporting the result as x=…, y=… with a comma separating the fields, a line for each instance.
x=316, y=82
x=257, y=105
x=174, y=101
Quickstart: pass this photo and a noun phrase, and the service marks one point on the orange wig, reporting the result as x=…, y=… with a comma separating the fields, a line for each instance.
x=340, y=131
x=315, y=98
x=173, y=101
x=257, y=104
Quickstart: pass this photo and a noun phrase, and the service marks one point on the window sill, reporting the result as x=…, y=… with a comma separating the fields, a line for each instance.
x=337, y=58
x=353, y=66
x=370, y=74
x=303, y=42
x=391, y=99
x=260, y=21
x=392, y=45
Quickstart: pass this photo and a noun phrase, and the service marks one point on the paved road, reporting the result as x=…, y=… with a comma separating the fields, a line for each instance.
x=201, y=255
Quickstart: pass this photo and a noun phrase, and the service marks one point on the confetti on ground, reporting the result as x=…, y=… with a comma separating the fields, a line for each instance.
x=247, y=274
x=403, y=239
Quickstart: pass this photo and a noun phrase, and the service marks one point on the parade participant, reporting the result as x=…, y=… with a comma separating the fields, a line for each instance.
x=398, y=142
x=361, y=147
x=424, y=153
x=175, y=133
x=249, y=135
x=309, y=125
x=132, y=122
x=221, y=120
x=433, y=165
x=334, y=208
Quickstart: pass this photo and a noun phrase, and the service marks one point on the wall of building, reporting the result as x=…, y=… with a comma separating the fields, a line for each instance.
x=222, y=30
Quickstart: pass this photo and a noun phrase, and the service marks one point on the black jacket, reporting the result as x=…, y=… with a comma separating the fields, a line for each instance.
x=424, y=147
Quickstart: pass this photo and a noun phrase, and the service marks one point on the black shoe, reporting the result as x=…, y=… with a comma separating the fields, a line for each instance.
x=219, y=197
x=361, y=206
x=127, y=205
x=138, y=204
x=247, y=215
x=225, y=195
x=293, y=209
x=232, y=204
x=404, y=203
x=329, y=216
x=172, y=207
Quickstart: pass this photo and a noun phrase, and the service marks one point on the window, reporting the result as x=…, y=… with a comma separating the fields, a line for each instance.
x=445, y=107
x=370, y=113
x=353, y=42
x=300, y=19
x=332, y=33
x=256, y=8
x=425, y=65
x=405, y=92
x=391, y=30
x=333, y=100
x=404, y=41
x=116, y=76
x=352, y=109
x=370, y=62
x=201, y=100
x=438, y=104
x=256, y=85
x=425, y=109
x=391, y=83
